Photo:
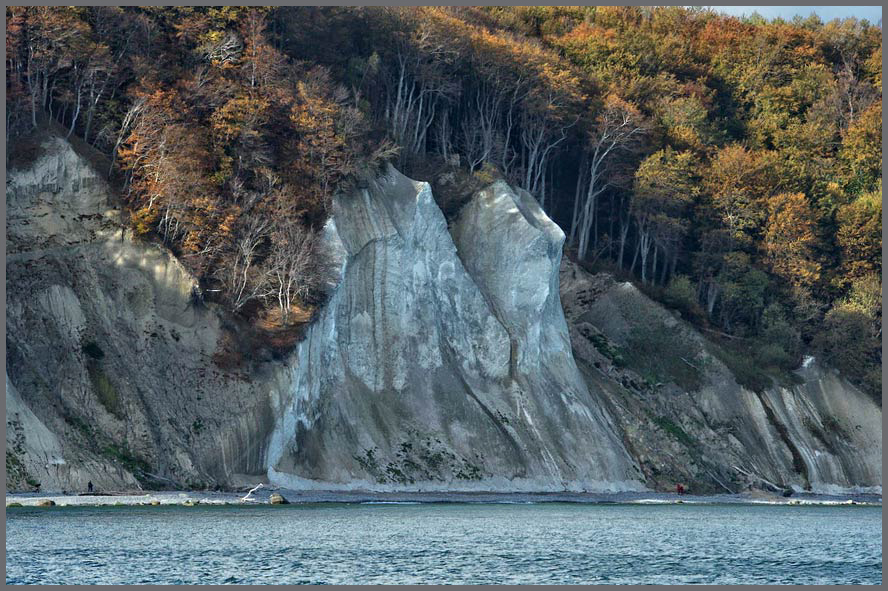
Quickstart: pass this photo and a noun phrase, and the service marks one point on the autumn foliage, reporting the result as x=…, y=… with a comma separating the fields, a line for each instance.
x=731, y=166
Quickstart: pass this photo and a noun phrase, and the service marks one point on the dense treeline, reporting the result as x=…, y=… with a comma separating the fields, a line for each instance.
x=732, y=167
x=231, y=149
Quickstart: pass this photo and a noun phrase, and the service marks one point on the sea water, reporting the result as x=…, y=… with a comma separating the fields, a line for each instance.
x=445, y=543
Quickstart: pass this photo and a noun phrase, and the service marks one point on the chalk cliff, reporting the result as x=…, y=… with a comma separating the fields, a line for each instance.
x=443, y=361
x=468, y=357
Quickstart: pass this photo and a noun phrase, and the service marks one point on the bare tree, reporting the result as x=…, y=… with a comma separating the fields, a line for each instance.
x=619, y=126
x=541, y=134
x=244, y=280
x=417, y=87
x=292, y=264
x=227, y=49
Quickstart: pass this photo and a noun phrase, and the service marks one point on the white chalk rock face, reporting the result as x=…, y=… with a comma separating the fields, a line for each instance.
x=439, y=364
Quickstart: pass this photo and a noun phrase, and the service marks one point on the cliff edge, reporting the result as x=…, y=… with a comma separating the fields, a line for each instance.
x=469, y=357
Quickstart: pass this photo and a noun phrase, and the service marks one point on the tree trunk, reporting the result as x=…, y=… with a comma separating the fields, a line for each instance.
x=635, y=255
x=645, y=245
x=32, y=87
x=575, y=218
x=665, y=269
x=76, y=111
x=712, y=292
x=624, y=233
x=653, y=266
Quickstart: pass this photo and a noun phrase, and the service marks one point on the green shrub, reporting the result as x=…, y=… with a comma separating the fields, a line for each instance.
x=79, y=424
x=93, y=350
x=782, y=342
x=606, y=348
x=832, y=425
x=661, y=354
x=105, y=390
x=676, y=431
x=848, y=341
x=16, y=471
x=126, y=458
x=681, y=295
x=740, y=360
x=773, y=355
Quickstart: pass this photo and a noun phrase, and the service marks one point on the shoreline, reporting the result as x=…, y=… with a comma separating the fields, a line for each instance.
x=303, y=497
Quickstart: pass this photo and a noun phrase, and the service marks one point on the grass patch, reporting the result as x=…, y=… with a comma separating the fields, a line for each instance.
x=424, y=458
x=369, y=463
x=16, y=471
x=468, y=471
x=79, y=424
x=742, y=365
x=606, y=348
x=832, y=425
x=743, y=360
x=105, y=390
x=675, y=431
x=662, y=355
x=127, y=459
x=816, y=431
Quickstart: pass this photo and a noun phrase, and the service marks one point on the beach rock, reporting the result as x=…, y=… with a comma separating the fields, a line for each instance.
x=278, y=499
x=45, y=503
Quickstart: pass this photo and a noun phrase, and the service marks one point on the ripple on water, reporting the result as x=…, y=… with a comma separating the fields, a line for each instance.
x=454, y=543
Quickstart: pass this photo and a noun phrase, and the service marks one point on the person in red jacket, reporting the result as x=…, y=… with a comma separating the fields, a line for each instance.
x=679, y=489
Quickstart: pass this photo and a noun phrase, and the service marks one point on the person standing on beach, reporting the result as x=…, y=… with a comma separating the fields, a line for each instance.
x=89, y=486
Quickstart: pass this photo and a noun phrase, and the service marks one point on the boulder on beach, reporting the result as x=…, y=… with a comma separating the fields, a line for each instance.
x=46, y=503
x=278, y=499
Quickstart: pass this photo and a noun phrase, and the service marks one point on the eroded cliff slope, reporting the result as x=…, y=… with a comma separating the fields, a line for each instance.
x=443, y=360
x=686, y=419
x=109, y=368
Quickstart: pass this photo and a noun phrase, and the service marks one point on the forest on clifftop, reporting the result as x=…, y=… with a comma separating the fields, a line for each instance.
x=730, y=167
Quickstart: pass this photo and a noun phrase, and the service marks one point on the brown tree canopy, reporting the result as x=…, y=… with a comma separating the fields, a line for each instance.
x=740, y=157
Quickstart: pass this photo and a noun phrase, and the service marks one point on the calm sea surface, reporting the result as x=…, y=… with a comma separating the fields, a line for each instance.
x=445, y=543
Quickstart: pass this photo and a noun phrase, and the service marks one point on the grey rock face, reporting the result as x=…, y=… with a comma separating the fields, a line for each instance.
x=430, y=369
x=443, y=361
x=109, y=364
x=822, y=434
